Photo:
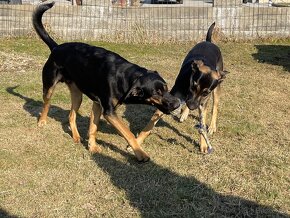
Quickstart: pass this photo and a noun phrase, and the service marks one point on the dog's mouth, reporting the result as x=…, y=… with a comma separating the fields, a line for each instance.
x=170, y=106
x=164, y=104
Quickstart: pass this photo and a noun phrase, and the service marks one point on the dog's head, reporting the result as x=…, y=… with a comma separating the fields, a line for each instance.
x=202, y=82
x=151, y=89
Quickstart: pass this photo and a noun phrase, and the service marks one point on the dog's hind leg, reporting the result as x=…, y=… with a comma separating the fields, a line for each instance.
x=129, y=136
x=94, y=122
x=216, y=96
x=76, y=101
x=49, y=79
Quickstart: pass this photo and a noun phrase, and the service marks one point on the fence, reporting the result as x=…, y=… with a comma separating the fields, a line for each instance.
x=150, y=20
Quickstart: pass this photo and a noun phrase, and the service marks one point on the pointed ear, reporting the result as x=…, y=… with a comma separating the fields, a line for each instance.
x=137, y=92
x=199, y=63
x=196, y=64
x=222, y=75
x=152, y=71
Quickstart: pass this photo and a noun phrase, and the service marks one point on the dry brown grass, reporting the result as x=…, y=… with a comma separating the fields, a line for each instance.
x=43, y=174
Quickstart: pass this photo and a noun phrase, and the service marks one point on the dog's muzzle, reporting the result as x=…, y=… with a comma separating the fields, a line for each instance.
x=169, y=103
x=192, y=104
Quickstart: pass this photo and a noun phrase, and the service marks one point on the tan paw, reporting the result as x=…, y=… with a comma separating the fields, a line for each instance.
x=41, y=123
x=94, y=149
x=77, y=139
x=183, y=117
x=142, y=156
x=211, y=129
x=203, y=148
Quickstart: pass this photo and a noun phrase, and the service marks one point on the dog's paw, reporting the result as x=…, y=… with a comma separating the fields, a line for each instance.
x=41, y=123
x=183, y=117
x=176, y=112
x=211, y=130
x=129, y=148
x=142, y=156
x=204, y=149
x=77, y=139
x=94, y=149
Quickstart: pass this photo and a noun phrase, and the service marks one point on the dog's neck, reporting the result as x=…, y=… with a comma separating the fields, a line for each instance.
x=130, y=85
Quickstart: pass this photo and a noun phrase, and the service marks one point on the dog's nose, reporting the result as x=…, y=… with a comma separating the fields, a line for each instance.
x=192, y=105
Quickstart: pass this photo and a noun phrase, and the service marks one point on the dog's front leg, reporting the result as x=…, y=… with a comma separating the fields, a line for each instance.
x=216, y=96
x=94, y=122
x=184, y=114
x=129, y=136
x=204, y=143
x=150, y=125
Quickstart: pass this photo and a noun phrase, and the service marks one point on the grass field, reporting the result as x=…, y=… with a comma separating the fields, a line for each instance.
x=44, y=174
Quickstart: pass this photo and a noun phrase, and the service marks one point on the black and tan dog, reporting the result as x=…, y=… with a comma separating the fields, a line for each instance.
x=200, y=75
x=105, y=77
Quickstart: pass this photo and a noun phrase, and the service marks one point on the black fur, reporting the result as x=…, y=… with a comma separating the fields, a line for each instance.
x=190, y=74
x=102, y=75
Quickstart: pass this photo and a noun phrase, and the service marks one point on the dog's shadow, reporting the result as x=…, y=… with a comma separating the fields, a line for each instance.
x=6, y=214
x=138, y=117
x=157, y=191
x=274, y=54
x=60, y=115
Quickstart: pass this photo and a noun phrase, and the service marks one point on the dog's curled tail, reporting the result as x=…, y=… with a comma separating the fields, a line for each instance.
x=38, y=26
x=209, y=32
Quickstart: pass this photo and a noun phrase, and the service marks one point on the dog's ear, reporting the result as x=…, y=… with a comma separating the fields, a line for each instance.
x=137, y=92
x=199, y=63
x=152, y=71
x=196, y=64
x=222, y=75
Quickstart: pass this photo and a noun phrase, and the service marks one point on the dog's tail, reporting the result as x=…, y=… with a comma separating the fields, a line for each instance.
x=38, y=26
x=209, y=32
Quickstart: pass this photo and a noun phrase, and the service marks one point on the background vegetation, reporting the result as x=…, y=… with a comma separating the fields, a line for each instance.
x=44, y=174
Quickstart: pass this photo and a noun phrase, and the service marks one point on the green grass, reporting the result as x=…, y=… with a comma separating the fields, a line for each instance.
x=44, y=174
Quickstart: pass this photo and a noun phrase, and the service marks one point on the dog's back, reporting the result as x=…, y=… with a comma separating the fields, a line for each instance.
x=206, y=51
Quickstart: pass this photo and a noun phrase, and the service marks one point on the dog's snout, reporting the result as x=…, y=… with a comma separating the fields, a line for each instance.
x=192, y=105
x=175, y=103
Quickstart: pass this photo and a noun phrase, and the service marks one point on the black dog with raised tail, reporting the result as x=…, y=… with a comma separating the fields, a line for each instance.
x=105, y=77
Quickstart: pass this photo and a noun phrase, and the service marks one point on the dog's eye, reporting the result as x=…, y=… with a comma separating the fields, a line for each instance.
x=205, y=92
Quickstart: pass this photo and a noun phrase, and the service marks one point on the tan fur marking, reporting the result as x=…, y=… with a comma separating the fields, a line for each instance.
x=216, y=97
x=128, y=135
x=46, y=105
x=76, y=100
x=155, y=100
x=147, y=130
x=205, y=69
x=94, y=122
x=46, y=99
x=202, y=141
x=184, y=114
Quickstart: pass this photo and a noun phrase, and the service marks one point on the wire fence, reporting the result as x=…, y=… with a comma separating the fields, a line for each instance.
x=149, y=20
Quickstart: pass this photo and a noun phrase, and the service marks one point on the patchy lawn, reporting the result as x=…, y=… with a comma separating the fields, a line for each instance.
x=44, y=174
